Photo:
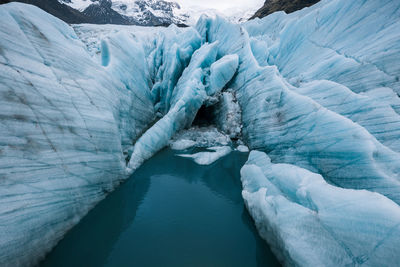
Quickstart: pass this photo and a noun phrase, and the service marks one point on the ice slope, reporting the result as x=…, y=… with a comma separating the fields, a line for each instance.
x=296, y=129
x=331, y=111
x=354, y=43
x=66, y=122
x=309, y=222
x=376, y=116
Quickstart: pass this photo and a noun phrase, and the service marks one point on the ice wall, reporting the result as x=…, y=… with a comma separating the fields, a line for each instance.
x=319, y=89
x=309, y=222
x=296, y=127
x=65, y=124
x=79, y=117
x=354, y=43
x=188, y=96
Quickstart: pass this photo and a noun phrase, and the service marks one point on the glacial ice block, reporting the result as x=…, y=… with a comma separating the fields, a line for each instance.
x=65, y=121
x=354, y=43
x=168, y=60
x=221, y=72
x=375, y=115
x=309, y=222
x=294, y=128
x=187, y=98
x=318, y=88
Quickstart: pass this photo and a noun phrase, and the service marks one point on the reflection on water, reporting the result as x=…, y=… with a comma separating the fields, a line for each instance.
x=171, y=212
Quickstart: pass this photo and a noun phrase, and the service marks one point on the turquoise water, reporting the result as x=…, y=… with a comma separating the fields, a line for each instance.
x=171, y=212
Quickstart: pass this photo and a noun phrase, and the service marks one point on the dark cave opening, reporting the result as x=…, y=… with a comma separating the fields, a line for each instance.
x=205, y=116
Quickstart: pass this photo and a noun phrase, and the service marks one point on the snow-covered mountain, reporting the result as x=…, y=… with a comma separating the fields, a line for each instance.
x=314, y=94
x=153, y=12
x=139, y=12
x=150, y=11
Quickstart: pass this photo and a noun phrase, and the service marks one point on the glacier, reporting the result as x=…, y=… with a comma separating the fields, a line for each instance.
x=313, y=94
x=312, y=223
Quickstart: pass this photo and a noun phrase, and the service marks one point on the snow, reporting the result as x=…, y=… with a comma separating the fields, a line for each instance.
x=309, y=222
x=207, y=158
x=92, y=35
x=228, y=114
x=77, y=4
x=192, y=13
x=177, y=12
x=202, y=137
x=143, y=11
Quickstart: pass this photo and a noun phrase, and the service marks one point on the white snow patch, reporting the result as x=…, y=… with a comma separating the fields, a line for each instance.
x=199, y=137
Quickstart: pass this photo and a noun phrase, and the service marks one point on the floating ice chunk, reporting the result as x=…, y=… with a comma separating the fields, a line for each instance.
x=309, y=222
x=207, y=158
x=242, y=148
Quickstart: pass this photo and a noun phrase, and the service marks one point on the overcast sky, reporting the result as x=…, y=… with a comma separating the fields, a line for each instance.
x=222, y=4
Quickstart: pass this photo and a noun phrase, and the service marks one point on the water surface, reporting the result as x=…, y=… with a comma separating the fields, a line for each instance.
x=171, y=212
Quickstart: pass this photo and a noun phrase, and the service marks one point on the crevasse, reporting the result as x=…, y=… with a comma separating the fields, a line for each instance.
x=316, y=91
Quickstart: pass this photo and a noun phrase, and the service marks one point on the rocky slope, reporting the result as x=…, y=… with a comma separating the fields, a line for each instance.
x=101, y=12
x=289, y=6
x=53, y=7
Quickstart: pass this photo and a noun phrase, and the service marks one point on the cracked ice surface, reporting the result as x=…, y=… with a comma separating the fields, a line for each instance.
x=66, y=123
x=309, y=222
x=296, y=129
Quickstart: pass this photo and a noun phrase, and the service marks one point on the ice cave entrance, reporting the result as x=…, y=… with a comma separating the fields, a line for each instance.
x=171, y=212
x=204, y=116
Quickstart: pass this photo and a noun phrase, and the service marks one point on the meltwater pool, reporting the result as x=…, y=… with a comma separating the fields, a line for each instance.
x=171, y=212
